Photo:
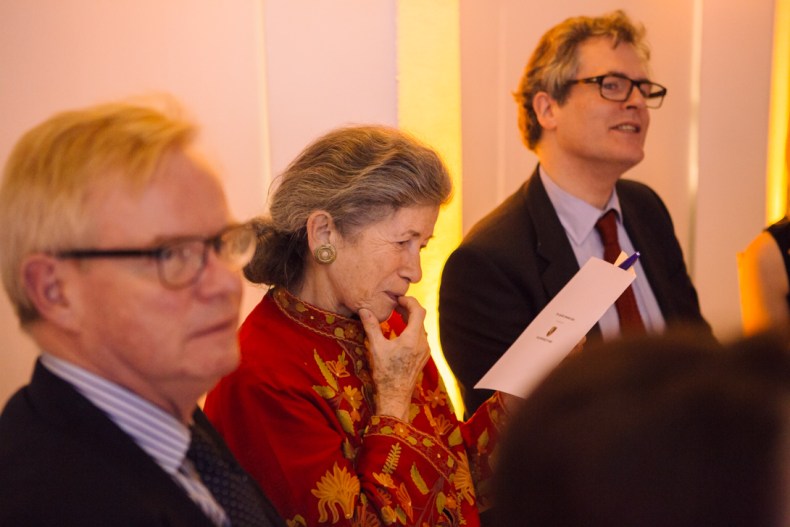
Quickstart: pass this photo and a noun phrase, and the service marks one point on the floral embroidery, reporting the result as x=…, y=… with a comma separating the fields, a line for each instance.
x=437, y=397
x=441, y=425
x=401, y=430
x=426, y=477
x=338, y=367
x=385, y=480
x=330, y=379
x=354, y=398
x=405, y=501
x=336, y=489
x=463, y=481
x=365, y=517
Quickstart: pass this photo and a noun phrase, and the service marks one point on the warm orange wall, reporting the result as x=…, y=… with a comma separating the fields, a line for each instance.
x=779, y=126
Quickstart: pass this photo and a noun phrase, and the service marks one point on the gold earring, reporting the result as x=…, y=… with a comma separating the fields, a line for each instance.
x=325, y=253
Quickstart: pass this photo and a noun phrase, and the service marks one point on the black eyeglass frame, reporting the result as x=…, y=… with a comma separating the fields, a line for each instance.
x=160, y=252
x=649, y=96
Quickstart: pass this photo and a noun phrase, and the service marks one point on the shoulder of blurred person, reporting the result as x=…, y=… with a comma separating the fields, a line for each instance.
x=763, y=279
x=659, y=430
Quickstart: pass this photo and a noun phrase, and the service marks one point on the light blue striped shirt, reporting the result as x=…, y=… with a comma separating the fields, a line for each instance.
x=159, y=434
x=578, y=218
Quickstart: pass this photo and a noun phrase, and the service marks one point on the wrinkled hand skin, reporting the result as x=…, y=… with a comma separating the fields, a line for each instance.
x=396, y=364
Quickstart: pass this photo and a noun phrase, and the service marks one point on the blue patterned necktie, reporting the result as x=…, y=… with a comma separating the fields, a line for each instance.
x=230, y=485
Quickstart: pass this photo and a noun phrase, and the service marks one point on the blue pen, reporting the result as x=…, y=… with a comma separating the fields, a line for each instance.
x=630, y=261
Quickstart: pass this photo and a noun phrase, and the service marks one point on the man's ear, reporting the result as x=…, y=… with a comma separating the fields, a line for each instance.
x=545, y=110
x=320, y=229
x=44, y=284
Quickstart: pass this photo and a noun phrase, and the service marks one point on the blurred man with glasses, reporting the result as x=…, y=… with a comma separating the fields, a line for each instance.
x=584, y=109
x=122, y=261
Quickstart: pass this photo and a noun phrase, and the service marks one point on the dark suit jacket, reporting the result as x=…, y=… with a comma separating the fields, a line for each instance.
x=518, y=257
x=64, y=462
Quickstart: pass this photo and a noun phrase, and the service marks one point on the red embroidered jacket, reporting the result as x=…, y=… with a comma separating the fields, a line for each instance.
x=298, y=414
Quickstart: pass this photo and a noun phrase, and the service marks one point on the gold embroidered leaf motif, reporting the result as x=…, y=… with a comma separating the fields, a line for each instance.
x=340, y=333
x=325, y=391
x=413, y=411
x=455, y=437
x=336, y=489
x=482, y=441
x=349, y=452
x=345, y=421
x=416, y=477
x=392, y=459
x=463, y=481
x=428, y=442
x=441, y=500
x=325, y=371
x=388, y=515
x=385, y=480
x=401, y=515
x=330, y=319
x=297, y=521
x=405, y=501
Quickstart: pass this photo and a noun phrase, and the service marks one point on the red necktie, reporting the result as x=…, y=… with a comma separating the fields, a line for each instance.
x=627, y=310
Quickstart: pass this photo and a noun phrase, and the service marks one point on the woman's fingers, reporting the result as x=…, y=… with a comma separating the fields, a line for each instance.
x=371, y=324
x=396, y=363
x=413, y=314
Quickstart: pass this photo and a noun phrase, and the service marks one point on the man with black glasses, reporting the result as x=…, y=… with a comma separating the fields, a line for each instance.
x=120, y=257
x=584, y=109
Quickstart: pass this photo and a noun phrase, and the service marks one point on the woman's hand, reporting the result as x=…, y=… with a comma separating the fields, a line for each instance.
x=396, y=364
x=579, y=346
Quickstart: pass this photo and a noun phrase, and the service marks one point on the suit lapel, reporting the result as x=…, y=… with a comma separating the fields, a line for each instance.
x=67, y=411
x=642, y=233
x=556, y=260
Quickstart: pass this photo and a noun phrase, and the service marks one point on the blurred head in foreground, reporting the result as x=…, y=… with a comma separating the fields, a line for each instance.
x=653, y=432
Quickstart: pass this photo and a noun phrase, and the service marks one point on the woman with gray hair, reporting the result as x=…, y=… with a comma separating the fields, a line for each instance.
x=337, y=409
